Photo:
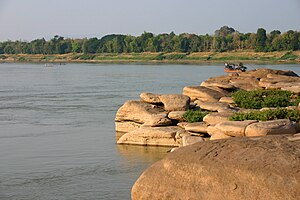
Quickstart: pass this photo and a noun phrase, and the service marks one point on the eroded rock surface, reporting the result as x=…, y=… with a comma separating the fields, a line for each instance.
x=237, y=168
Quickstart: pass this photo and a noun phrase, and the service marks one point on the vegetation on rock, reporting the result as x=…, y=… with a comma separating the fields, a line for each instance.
x=261, y=98
x=271, y=114
x=192, y=116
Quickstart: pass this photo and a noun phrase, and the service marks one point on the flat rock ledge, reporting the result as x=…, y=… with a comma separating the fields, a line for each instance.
x=157, y=119
x=237, y=168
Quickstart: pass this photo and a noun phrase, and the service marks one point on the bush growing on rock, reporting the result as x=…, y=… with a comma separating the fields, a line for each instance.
x=272, y=114
x=260, y=98
x=192, y=116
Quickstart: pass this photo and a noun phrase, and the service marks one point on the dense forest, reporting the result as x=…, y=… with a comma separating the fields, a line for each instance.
x=224, y=39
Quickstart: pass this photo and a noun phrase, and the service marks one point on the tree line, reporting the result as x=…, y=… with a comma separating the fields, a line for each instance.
x=224, y=39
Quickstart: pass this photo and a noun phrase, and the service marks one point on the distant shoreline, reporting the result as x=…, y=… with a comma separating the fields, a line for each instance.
x=284, y=57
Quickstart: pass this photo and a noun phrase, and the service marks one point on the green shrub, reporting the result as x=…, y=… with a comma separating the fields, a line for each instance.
x=272, y=114
x=175, y=56
x=160, y=57
x=289, y=56
x=260, y=98
x=86, y=57
x=194, y=115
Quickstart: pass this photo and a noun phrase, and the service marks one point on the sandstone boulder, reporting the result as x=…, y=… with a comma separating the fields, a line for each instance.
x=197, y=127
x=177, y=115
x=218, y=117
x=234, y=128
x=126, y=126
x=150, y=98
x=212, y=106
x=228, y=100
x=237, y=168
x=202, y=93
x=245, y=83
x=263, y=73
x=175, y=102
x=219, y=136
x=152, y=136
x=273, y=127
x=220, y=82
x=141, y=112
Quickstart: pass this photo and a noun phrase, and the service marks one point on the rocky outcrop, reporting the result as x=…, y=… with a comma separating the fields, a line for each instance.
x=157, y=113
x=237, y=168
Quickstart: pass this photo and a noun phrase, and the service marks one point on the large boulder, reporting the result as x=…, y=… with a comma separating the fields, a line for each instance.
x=273, y=127
x=237, y=168
x=153, y=136
x=202, y=93
x=175, y=102
x=142, y=113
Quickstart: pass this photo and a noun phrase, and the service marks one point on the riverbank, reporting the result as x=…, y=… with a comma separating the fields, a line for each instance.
x=148, y=57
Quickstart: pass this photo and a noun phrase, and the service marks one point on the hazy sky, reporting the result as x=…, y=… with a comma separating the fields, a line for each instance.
x=30, y=19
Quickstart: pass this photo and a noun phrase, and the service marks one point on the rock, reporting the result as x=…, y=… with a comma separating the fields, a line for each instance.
x=202, y=93
x=234, y=128
x=189, y=140
x=150, y=98
x=295, y=89
x=197, y=127
x=219, y=136
x=126, y=126
x=263, y=73
x=141, y=112
x=212, y=106
x=274, y=127
x=245, y=83
x=152, y=136
x=182, y=124
x=211, y=130
x=175, y=102
x=236, y=168
x=215, y=118
x=228, y=100
x=177, y=115
x=219, y=82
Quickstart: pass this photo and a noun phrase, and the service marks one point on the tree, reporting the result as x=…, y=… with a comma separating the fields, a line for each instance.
x=261, y=38
x=224, y=31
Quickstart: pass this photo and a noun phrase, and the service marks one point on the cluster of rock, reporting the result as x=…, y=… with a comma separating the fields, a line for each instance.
x=158, y=119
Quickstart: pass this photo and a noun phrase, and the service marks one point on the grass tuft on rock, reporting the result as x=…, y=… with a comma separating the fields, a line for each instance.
x=261, y=98
x=192, y=116
x=272, y=114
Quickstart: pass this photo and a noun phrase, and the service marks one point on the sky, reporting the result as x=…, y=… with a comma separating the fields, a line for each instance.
x=31, y=19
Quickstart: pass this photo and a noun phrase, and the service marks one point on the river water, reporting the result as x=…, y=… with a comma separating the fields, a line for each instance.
x=57, y=137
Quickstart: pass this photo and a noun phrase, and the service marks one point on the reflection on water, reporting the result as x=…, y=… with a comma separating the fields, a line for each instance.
x=146, y=154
